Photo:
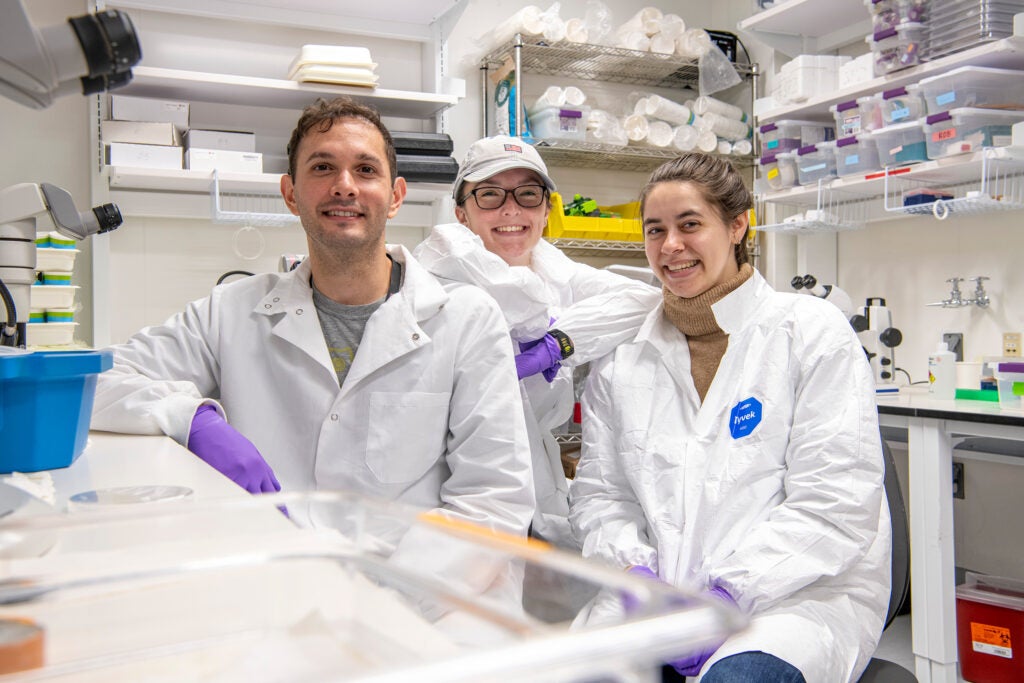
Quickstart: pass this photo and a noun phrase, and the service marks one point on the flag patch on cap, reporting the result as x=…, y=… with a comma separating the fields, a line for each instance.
x=514, y=148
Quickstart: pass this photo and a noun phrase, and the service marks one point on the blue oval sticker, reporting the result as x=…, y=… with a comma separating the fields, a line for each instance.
x=745, y=417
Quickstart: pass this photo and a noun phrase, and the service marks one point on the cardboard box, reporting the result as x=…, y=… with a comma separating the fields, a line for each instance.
x=223, y=160
x=123, y=108
x=143, y=156
x=231, y=141
x=140, y=133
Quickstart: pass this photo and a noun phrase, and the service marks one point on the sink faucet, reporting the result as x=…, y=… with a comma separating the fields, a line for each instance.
x=980, y=299
x=955, y=299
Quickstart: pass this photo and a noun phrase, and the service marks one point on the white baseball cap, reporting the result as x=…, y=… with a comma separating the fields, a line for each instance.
x=490, y=156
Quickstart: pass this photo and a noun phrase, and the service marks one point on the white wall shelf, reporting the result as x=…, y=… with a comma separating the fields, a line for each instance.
x=809, y=26
x=177, y=84
x=1007, y=53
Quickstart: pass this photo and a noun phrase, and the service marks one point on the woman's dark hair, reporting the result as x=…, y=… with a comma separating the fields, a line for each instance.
x=718, y=181
x=322, y=115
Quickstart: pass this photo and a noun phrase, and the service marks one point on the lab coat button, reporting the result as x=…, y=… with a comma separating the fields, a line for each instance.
x=415, y=337
x=334, y=417
x=267, y=306
x=298, y=311
x=276, y=299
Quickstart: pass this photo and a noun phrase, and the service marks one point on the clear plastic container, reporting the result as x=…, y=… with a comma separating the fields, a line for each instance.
x=870, y=112
x=847, y=115
x=898, y=47
x=329, y=586
x=887, y=14
x=856, y=154
x=560, y=123
x=965, y=130
x=778, y=171
x=903, y=104
x=814, y=162
x=973, y=86
x=788, y=135
x=900, y=144
x=1010, y=383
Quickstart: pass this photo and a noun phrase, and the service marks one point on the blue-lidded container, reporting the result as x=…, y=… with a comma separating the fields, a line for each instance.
x=45, y=407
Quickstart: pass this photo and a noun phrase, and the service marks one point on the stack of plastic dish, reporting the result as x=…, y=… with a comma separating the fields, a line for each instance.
x=957, y=25
x=328, y=586
x=334, y=64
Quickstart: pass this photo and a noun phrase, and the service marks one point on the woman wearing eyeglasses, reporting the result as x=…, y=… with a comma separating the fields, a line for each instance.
x=561, y=313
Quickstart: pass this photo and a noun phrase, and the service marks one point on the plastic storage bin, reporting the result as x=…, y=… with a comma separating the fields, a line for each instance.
x=958, y=25
x=848, y=118
x=778, y=171
x=1010, y=383
x=349, y=589
x=46, y=405
x=974, y=86
x=990, y=628
x=625, y=228
x=788, y=135
x=967, y=130
x=900, y=144
x=900, y=105
x=559, y=123
x=887, y=14
x=815, y=162
x=856, y=154
x=898, y=47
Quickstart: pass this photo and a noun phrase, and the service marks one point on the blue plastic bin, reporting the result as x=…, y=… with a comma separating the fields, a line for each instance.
x=45, y=407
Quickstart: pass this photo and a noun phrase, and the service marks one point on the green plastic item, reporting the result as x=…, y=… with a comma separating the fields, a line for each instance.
x=978, y=395
x=1018, y=388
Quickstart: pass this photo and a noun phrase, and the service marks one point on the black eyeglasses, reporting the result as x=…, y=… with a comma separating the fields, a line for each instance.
x=526, y=196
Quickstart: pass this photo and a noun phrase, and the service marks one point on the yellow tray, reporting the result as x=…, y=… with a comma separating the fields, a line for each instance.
x=624, y=229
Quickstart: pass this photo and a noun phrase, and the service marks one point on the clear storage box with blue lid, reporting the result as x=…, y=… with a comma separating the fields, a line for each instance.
x=973, y=86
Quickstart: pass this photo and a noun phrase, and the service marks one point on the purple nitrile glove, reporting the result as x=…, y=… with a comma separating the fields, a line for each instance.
x=629, y=601
x=221, y=447
x=540, y=355
x=691, y=666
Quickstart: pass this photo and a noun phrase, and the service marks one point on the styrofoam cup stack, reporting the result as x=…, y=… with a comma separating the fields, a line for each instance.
x=527, y=20
x=553, y=96
x=647, y=20
x=707, y=141
x=606, y=128
x=665, y=109
x=659, y=134
x=693, y=44
x=574, y=96
x=724, y=147
x=633, y=40
x=636, y=127
x=576, y=30
x=684, y=137
x=742, y=147
x=672, y=26
x=704, y=104
x=640, y=106
x=723, y=127
x=662, y=45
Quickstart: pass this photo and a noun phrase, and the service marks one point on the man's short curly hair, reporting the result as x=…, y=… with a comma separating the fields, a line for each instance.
x=322, y=114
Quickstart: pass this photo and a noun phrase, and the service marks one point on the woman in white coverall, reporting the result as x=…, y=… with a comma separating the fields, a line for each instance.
x=733, y=447
x=561, y=313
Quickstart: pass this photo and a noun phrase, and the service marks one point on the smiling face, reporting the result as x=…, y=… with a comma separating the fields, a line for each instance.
x=690, y=248
x=342, y=189
x=510, y=231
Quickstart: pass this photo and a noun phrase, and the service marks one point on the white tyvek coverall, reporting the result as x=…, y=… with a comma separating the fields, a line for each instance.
x=428, y=414
x=597, y=309
x=791, y=518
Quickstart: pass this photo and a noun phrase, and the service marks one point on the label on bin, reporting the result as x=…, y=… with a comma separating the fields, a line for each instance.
x=991, y=640
x=941, y=135
x=945, y=98
x=773, y=174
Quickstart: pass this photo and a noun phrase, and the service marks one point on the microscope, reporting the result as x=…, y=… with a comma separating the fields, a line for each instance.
x=89, y=54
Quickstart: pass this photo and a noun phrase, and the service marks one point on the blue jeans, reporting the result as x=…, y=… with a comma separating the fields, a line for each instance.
x=746, y=667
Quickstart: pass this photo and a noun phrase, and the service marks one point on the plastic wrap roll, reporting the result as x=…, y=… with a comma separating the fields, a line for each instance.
x=665, y=109
x=659, y=134
x=684, y=138
x=724, y=147
x=704, y=104
x=693, y=44
x=742, y=147
x=730, y=129
x=576, y=30
x=574, y=96
x=707, y=141
x=636, y=127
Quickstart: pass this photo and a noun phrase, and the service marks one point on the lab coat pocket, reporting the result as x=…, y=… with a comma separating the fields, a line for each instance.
x=404, y=453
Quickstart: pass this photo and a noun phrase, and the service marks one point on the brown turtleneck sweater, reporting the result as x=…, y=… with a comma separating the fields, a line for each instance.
x=694, y=318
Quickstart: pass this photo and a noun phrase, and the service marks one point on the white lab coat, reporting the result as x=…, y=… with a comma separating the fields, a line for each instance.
x=428, y=414
x=790, y=518
x=597, y=309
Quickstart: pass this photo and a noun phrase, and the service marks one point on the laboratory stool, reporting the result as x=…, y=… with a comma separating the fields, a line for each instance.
x=880, y=670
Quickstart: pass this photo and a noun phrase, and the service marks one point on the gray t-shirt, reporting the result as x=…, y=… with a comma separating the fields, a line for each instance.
x=343, y=325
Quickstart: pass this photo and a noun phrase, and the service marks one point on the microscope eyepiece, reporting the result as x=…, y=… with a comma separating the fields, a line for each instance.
x=108, y=216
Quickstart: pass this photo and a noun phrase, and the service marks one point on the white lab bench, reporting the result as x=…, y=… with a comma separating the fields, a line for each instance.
x=934, y=427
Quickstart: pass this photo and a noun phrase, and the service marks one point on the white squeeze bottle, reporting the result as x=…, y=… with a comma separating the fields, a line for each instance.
x=942, y=373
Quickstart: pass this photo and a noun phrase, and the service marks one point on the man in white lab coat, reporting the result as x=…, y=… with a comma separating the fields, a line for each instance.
x=358, y=370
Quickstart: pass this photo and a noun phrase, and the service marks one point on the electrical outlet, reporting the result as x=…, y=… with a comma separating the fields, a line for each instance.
x=1011, y=343
x=958, y=480
x=955, y=343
